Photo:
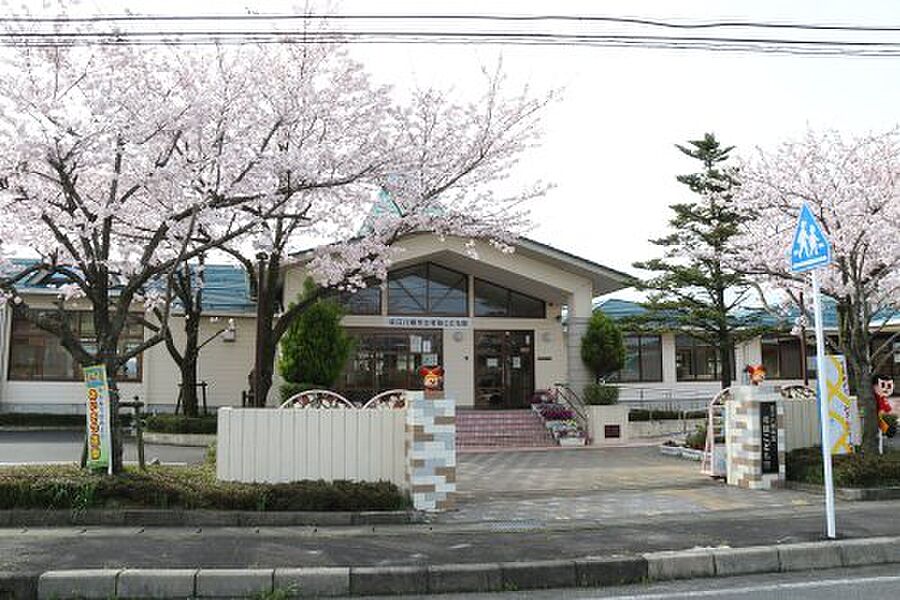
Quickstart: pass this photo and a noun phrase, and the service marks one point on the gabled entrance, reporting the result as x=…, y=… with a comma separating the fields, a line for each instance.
x=504, y=369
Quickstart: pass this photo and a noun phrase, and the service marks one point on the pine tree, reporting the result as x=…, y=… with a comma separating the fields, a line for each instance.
x=693, y=288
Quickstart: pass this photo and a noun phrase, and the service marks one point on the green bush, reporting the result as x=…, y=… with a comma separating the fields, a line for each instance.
x=642, y=414
x=851, y=470
x=315, y=347
x=598, y=394
x=164, y=423
x=193, y=487
x=41, y=420
x=697, y=439
x=289, y=389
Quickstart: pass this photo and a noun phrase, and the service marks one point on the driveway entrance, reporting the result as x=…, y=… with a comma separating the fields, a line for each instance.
x=596, y=485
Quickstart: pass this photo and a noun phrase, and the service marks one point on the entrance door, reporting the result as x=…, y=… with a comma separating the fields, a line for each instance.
x=504, y=369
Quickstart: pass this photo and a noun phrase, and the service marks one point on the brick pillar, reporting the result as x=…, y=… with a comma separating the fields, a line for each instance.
x=754, y=438
x=430, y=451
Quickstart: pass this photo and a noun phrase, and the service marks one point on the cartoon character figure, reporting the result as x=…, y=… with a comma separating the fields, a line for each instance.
x=432, y=377
x=757, y=374
x=883, y=387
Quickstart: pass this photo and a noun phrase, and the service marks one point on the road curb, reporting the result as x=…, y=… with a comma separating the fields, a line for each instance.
x=422, y=579
x=188, y=440
x=202, y=518
x=849, y=494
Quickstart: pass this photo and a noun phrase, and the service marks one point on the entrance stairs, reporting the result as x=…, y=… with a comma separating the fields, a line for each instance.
x=487, y=429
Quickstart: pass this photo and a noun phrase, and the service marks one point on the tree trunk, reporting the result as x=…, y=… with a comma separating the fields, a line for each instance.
x=726, y=359
x=266, y=304
x=189, y=402
x=188, y=366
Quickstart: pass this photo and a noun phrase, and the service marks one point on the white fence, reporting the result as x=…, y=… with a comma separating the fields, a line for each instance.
x=801, y=424
x=279, y=445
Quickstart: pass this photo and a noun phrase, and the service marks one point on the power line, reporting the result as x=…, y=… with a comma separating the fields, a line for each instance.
x=459, y=17
x=201, y=37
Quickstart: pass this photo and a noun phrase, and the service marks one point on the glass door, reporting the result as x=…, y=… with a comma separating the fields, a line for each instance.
x=504, y=369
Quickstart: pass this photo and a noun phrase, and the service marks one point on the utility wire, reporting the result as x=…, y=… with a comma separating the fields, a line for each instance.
x=458, y=17
x=58, y=37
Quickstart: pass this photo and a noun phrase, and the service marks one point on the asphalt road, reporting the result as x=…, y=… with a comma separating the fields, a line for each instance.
x=40, y=549
x=65, y=446
x=870, y=583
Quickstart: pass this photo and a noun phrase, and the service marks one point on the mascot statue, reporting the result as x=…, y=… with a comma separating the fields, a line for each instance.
x=883, y=387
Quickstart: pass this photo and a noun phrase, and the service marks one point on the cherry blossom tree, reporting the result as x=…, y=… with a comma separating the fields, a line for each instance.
x=851, y=184
x=439, y=168
x=122, y=163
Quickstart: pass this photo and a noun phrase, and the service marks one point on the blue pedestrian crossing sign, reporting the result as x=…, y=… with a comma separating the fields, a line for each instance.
x=811, y=248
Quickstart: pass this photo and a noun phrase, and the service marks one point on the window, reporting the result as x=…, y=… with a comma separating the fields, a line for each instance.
x=428, y=289
x=695, y=360
x=495, y=301
x=781, y=357
x=643, y=359
x=364, y=301
x=36, y=355
x=388, y=359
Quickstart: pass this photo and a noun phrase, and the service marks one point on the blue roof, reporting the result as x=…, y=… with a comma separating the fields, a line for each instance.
x=617, y=309
x=226, y=289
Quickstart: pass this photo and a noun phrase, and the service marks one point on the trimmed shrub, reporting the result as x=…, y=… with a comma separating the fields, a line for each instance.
x=599, y=394
x=194, y=487
x=850, y=470
x=163, y=423
x=315, y=347
x=642, y=414
x=41, y=420
x=697, y=439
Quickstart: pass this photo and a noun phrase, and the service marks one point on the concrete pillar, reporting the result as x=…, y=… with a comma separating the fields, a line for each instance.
x=579, y=314
x=754, y=438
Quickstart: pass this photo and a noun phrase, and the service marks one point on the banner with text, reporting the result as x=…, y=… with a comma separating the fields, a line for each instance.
x=841, y=410
x=98, y=421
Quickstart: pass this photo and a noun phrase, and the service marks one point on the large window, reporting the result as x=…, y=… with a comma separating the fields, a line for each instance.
x=643, y=359
x=495, y=301
x=35, y=355
x=388, y=359
x=695, y=360
x=781, y=357
x=364, y=301
x=428, y=289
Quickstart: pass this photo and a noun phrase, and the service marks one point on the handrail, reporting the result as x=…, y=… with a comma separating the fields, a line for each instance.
x=574, y=402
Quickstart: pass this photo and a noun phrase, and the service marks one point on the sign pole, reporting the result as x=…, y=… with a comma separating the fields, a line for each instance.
x=824, y=407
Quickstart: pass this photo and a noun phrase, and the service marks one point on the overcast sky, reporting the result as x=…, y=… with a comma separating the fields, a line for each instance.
x=609, y=143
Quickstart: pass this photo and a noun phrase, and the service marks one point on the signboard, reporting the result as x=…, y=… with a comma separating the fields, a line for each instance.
x=98, y=422
x=810, y=249
x=840, y=407
x=768, y=446
x=429, y=322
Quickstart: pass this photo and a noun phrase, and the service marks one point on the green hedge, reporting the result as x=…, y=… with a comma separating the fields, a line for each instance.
x=642, y=414
x=41, y=420
x=194, y=487
x=180, y=424
x=854, y=470
x=598, y=394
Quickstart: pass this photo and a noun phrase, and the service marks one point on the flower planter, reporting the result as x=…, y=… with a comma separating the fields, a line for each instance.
x=571, y=441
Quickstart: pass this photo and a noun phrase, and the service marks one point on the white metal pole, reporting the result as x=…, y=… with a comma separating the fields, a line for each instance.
x=824, y=408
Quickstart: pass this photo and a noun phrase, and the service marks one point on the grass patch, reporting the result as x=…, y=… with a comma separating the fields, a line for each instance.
x=181, y=424
x=853, y=471
x=191, y=487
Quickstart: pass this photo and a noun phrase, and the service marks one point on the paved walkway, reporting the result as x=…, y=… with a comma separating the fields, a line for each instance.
x=596, y=485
